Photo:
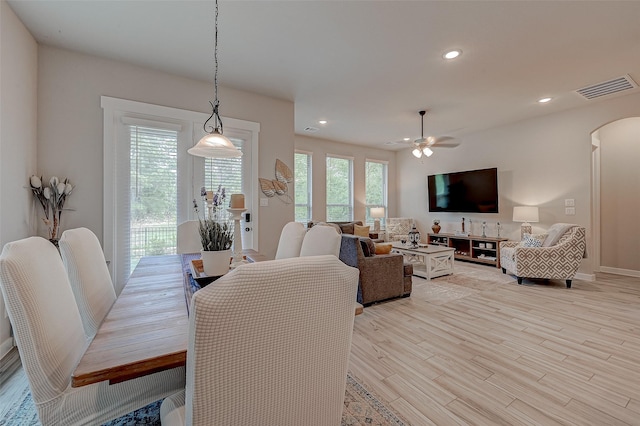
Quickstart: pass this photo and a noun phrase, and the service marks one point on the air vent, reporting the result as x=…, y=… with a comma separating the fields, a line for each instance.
x=610, y=87
x=310, y=129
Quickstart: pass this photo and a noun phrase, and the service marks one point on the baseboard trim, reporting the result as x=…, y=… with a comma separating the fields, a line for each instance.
x=620, y=271
x=585, y=277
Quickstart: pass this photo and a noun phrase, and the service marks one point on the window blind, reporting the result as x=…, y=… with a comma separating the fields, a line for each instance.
x=153, y=192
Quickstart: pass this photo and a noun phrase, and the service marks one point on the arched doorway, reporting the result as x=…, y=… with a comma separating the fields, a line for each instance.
x=616, y=197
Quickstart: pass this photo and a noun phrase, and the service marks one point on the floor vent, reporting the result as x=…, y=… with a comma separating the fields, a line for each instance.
x=610, y=87
x=310, y=129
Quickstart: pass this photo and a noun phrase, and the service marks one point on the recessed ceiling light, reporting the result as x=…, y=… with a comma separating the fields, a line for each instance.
x=544, y=100
x=406, y=139
x=452, y=54
x=322, y=121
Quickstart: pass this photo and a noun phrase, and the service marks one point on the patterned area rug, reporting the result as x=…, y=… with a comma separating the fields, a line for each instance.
x=361, y=408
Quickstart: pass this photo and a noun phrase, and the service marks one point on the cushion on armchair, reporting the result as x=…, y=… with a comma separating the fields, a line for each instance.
x=533, y=240
x=383, y=248
x=368, y=246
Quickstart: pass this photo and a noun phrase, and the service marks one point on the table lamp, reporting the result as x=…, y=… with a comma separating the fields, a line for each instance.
x=377, y=213
x=525, y=214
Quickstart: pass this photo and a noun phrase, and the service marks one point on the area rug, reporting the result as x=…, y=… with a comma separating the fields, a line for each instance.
x=465, y=281
x=361, y=408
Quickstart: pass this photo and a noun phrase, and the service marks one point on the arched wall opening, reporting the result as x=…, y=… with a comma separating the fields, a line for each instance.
x=616, y=197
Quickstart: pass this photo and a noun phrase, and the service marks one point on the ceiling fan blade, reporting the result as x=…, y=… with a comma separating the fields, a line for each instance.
x=444, y=142
x=445, y=145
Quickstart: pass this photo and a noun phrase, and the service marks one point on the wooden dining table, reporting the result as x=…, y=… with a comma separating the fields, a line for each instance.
x=146, y=330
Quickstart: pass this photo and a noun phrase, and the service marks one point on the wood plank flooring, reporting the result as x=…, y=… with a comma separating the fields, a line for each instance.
x=476, y=348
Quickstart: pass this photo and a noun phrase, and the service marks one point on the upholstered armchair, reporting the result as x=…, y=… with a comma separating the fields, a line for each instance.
x=398, y=228
x=382, y=276
x=559, y=256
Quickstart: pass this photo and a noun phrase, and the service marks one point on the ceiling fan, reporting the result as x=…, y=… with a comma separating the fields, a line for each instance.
x=423, y=145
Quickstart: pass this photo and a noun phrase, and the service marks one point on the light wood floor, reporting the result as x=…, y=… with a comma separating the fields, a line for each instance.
x=476, y=348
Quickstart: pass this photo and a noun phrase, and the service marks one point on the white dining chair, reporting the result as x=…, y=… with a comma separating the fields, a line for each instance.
x=290, y=241
x=51, y=340
x=189, y=237
x=89, y=276
x=321, y=240
x=269, y=344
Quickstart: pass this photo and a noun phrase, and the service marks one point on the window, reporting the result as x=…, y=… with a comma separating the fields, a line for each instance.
x=150, y=180
x=153, y=189
x=339, y=189
x=376, y=187
x=302, y=182
x=224, y=173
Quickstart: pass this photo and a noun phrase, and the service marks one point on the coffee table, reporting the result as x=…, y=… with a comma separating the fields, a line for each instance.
x=428, y=261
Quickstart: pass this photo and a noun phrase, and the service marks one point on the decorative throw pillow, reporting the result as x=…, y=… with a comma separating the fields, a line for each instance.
x=361, y=231
x=368, y=247
x=383, y=248
x=533, y=240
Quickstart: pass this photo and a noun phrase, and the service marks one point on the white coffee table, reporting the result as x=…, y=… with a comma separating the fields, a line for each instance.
x=428, y=261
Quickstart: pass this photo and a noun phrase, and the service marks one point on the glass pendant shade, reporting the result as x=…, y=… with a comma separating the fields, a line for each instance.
x=215, y=145
x=427, y=151
x=417, y=152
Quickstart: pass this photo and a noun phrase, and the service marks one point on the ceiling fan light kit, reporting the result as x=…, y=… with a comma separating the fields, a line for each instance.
x=423, y=145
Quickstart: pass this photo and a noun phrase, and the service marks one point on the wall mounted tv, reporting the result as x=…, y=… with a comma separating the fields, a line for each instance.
x=473, y=191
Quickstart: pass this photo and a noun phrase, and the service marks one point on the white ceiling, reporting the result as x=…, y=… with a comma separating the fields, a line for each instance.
x=367, y=66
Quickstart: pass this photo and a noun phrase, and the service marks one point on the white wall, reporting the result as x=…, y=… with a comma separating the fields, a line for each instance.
x=69, y=114
x=320, y=148
x=620, y=195
x=18, y=85
x=541, y=161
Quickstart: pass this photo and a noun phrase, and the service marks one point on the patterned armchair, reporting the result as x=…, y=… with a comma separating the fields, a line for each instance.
x=554, y=260
x=398, y=228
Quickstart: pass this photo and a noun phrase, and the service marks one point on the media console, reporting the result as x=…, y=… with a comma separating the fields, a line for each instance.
x=472, y=248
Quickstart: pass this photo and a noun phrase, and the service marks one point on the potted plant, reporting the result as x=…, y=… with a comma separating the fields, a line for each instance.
x=216, y=239
x=436, y=226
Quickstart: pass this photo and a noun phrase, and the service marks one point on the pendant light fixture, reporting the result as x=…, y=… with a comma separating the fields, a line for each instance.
x=214, y=144
x=421, y=145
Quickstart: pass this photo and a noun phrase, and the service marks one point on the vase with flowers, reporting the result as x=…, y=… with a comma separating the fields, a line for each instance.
x=216, y=238
x=436, y=226
x=51, y=198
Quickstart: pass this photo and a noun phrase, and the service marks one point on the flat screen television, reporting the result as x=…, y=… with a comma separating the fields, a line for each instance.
x=473, y=191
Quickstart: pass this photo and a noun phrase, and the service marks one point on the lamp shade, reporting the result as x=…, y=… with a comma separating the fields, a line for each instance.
x=377, y=212
x=215, y=145
x=417, y=152
x=525, y=214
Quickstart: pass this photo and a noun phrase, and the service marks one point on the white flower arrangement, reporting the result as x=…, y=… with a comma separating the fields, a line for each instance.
x=51, y=197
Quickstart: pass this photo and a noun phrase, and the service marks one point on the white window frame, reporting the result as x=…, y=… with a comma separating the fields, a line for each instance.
x=385, y=191
x=114, y=111
x=309, y=204
x=351, y=203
